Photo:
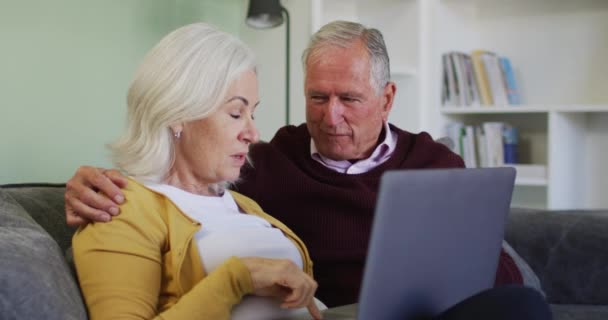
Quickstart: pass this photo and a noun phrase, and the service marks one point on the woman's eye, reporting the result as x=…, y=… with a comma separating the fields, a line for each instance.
x=235, y=115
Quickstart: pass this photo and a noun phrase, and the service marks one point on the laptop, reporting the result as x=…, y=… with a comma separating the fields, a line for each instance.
x=435, y=241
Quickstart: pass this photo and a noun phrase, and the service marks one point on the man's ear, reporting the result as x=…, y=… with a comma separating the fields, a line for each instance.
x=388, y=95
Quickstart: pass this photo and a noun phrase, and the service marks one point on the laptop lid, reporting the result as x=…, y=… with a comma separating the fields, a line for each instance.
x=435, y=240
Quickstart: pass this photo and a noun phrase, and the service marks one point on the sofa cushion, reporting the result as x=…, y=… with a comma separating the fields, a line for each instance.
x=579, y=312
x=35, y=282
x=567, y=250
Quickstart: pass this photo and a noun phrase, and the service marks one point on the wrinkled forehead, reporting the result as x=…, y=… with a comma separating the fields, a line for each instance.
x=353, y=50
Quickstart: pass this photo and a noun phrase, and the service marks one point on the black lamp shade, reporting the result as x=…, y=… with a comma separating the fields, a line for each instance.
x=264, y=14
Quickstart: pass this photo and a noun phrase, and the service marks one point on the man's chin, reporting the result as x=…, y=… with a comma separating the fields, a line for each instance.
x=336, y=155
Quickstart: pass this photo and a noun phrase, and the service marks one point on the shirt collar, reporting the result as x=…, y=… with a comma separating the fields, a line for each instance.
x=384, y=149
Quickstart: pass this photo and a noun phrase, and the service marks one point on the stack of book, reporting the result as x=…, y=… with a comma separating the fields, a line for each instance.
x=481, y=78
x=494, y=144
x=491, y=144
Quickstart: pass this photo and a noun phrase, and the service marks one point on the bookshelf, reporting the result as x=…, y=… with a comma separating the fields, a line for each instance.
x=558, y=51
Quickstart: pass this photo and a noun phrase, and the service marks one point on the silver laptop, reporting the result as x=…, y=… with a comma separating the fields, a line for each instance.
x=435, y=241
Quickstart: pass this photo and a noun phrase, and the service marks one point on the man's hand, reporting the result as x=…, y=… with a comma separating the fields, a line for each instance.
x=84, y=204
x=284, y=280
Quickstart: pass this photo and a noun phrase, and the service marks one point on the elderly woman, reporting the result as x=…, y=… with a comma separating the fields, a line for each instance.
x=184, y=247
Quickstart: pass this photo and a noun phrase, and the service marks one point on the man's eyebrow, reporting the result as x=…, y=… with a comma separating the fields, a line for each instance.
x=342, y=94
x=350, y=94
x=315, y=92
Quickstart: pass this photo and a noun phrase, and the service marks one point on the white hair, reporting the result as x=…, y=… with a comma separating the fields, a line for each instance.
x=344, y=34
x=185, y=77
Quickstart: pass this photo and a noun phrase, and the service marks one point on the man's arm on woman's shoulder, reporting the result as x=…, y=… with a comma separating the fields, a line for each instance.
x=93, y=194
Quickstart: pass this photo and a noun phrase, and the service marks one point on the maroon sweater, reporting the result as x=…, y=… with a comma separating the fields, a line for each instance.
x=332, y=212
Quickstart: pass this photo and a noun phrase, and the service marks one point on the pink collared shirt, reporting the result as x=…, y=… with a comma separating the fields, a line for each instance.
x=383, y=152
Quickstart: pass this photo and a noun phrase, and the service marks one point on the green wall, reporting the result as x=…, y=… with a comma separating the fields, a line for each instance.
x=65, y=66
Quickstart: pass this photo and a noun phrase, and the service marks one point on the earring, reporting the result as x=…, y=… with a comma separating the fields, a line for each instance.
x=177, y=135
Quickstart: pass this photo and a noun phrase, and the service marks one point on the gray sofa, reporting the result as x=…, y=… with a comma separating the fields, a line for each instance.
x=567, y=250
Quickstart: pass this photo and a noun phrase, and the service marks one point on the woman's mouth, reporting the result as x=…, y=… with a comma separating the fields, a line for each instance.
x=239, y=158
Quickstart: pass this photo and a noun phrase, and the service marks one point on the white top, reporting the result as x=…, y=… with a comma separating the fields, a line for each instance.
x=381, y=153
x=226, y=232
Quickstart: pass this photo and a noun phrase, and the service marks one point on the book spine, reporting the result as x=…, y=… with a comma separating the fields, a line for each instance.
x=510, y=144
x=458, y=83
x=512, y=92
x=452, y=96
x=495, y=78
x=481, y=78
x=494, y=143
x=474, y=93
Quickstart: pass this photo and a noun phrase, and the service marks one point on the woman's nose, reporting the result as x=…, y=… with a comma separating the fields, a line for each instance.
x=251, y=133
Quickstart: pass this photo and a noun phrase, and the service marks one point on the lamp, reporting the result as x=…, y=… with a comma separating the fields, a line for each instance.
x=265, y=14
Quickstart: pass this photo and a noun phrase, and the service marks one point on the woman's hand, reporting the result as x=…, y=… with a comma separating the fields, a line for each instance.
x=285, y=280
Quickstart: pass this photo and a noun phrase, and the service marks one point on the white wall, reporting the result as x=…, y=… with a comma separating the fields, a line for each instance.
x=65, y=67
x=269, y=45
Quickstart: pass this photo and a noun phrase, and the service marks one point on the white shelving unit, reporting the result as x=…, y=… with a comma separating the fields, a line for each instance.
x=559, y=52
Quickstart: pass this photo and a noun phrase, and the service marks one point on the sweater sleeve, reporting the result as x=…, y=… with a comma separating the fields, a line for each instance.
x=215, y=295
x=508, y=272
x=120, y=269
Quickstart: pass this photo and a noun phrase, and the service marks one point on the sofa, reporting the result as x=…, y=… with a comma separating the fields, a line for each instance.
x=566, y=250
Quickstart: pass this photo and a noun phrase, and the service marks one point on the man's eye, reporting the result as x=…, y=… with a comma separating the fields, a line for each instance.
x=317, y=98
x=235, y=115
x=349, y=99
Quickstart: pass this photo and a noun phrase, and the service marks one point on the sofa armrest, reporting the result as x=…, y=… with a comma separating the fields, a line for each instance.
x=45, y=204
x=568, y=250
x=36, y=280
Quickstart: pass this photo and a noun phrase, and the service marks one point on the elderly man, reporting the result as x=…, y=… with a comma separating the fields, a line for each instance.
x=321, y=178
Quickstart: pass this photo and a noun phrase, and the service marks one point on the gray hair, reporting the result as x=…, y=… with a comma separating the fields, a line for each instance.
x=344, y=34
x=185, y=77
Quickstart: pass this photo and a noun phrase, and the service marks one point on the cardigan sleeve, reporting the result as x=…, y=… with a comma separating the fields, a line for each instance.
x=120, y=269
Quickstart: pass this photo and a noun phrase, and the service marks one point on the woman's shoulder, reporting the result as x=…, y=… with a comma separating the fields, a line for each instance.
x=141, y=217
x=141, y=207
x=137, y=194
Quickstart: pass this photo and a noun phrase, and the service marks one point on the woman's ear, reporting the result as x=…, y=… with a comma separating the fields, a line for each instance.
x=177, y=129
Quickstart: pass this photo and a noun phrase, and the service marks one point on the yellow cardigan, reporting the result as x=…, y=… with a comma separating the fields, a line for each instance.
x=144, y=265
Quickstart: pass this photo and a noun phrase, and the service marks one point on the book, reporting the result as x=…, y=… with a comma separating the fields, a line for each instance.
x=494, y=143
x=450, y=81
x=510, y=144
x=482, y=153
x=512, y=92
x=445, y=93
x=460, y=95
x=481, y=78
x=454, y=132
x=472, y=85
x=470, y=157
x=495, y=78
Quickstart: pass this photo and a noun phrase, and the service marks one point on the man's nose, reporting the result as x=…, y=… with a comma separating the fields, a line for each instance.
x=333, y=112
